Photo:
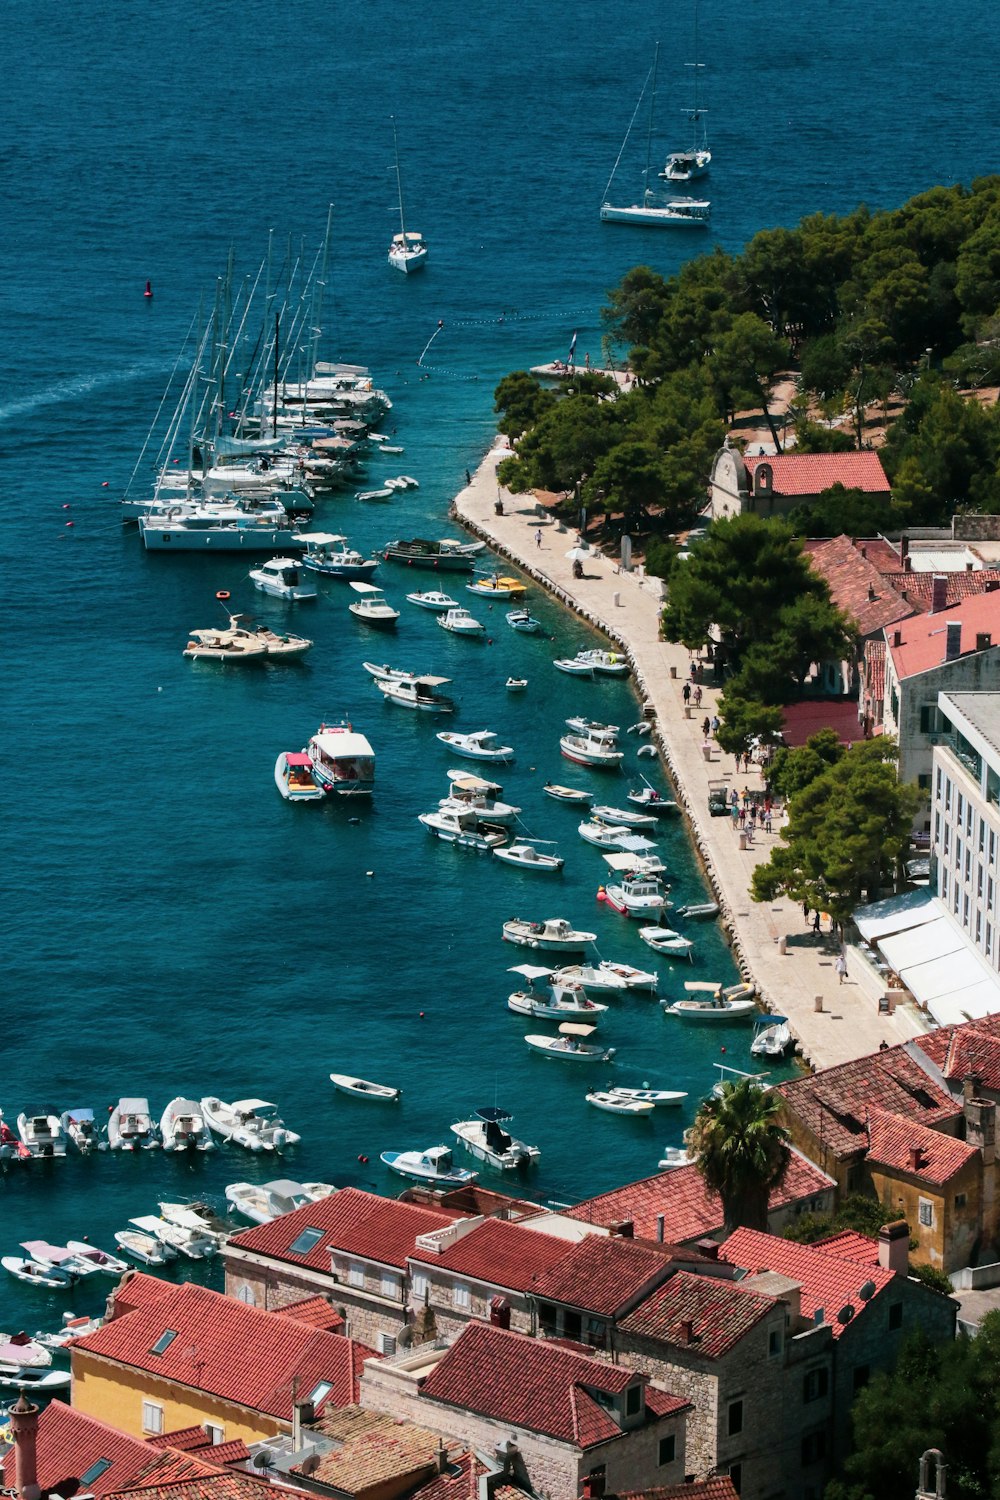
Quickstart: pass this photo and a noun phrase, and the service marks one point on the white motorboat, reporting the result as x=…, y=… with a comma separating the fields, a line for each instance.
x=282, y=577
x=574, y=795
x=80, y=1127
x=483, y=744
x=100, y=1260
x=474, y=791
x=648, y=750
x=224, y=645
x=640, y=896
x=607, y=836
x=194, y=1243
x=50, y=1278
x=372, y=606
x=473, y=784
x=516, y=684
x=131, y=1127
x=580, y=725
x=328, y=553
x=251, y=1123
x=527, y=856
x=485, y=1138
x=402, y=482
x=618, y=1104
x=621, y=817
x=407, y=252
x=497, y=586
x=434, y=600
x=145, y=1248
x=464, y=828
x=293, y=776
x=606, y=663
x=198, y=1216
x=571, y=1045
x=772, y=1037
x=710, y=1002
x=417, y=692
x=183, y=1127
x=72, y=1328
x=433, y=1165
x=646, y=865
x=460, y=622
x=383, y=493
x=343, y=760
x=19, y=1352
x=523, y=622
x=573, y=666
x=700, y=910
x=685, y=166
x=361, y=1088
x=666, y=940
x=553, y=935
x=674, y=1156
x=654, y=1097
x=262, y=1202
x=607, y=978
x=46, y=1381
x=561, y=1001
x=41, y=1135
x=650, y=800
x=60, y=1256
x=593, y=745
x=393, y=674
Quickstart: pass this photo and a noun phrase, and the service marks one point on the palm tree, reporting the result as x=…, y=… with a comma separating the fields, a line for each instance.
x=741, y=1150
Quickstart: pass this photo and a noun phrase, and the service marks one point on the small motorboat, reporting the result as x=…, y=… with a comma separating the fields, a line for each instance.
x=526, y=855
x=11, y=1148
x=650, y=751
x=19, y=1352
x=131, y=1127
x=330, y=555
x=654, y=1097
x=571, y=1045
x=282, y=577
x=404, y=482
x=487, y=1140
x=60, y=1257
x=194, y=1243
x=593, y=745
x=561, y=1001
x=700, y=910
x=772, y=1037
x=483, y=744
x=622, y=817
x=417, y=692
x=649, y=799
x=573, y=794
x=251, y=1123
x=223, y=645
x=262, y=1202
x=50, y=1278
x=640, y=896
x=553, y=935
x=47, y=1381
x=145, y=1248
x=521, y=620
x=674, y=1156
x=647, y=866
x=579, y=725
x=41, y=1135
x=460, y=622
x=294, y=778
x=606, y=663
x=394, y=674
x=516, y=684
x=197, y=1216
x=385, y=493
x=72, y=1328
x=362, y=1089
x=666, y=940
x=710, y=1002
x=573, y=666
x=100, y=1260
x=434, y=600
x=470, y=790
x=281, y=644
x=485, y=807
x=433, y=1165
x=607, y=978
x=497, y=586
x=468, y=784
x=607, y=836
x=183, y=1127
x=617, y=1104
x=463, y=827
x=80, y=1127
x=372, y=607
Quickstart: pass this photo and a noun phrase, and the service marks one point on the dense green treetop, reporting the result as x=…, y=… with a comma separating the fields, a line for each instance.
x=741, y=1150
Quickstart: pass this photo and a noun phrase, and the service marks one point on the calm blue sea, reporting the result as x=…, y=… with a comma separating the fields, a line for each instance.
x=170, y=925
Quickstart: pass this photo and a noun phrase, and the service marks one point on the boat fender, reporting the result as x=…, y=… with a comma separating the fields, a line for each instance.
x=69, y=523
x=421, y=1015
x=106, y=482
x=602, y=894
x=222, y=594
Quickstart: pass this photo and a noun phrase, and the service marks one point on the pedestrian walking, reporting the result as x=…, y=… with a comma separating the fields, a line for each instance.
x=734, y=813
x=749, y=835
x=706, y=726
x=686, y=692
x=805, y=911
x=538, y=537
x=697, y=695
x=715, y=723
x=742, y=816
x=815, y=921
x=841, y=968
x=694, y=670
x=767, y=820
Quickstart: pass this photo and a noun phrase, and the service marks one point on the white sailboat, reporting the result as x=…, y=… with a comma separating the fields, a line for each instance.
x=685, y=213
x=408, y=252
x=685, y=166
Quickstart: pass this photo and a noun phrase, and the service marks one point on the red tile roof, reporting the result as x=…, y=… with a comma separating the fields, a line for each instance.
x=232, y=1351
x=874, y=673
x=527, y=1382
x=857, y=585
x=970, y=1049
x=850, y=1245
x=828, y=1282
x=833, y=1103
x=811, y=473
x=813, y=714
x=918, y=588
x=197, y=1440
x=688, y=1209
x=315, y=1311
x=222, y=1484
x=604, y=1274
x=719, y=1487
x=914, y=1150
x=456, y=1483
x=138, y=1289
x=498, y=1252
x=721, y=1312
x=353, y=1222
x=922, y=644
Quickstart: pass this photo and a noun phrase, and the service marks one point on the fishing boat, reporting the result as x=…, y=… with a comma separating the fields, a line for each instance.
x=675, y=212
x=573, y=666
x=523, y=622
x=606, y=978
x=553, y=935
x=407, y=252
x=183, y=1127
x=46, y=1381
x=329, y=554
x=131, y=1127
x=694, y=162
x=486, y=1139
x=343, y=761
x=635, y=896
x=622, y=817
x=574, y=795
x=618, y=1104
x=145, y=1248
x=61, y=1256
x=293, y=777
x=361, y=1088
x=606, y=836
x=701, y=910
x=383, y=493
x=80, y=1127
x=463, y=828
x=460, y=622
x=282, y=578
x=50, y=1278
x=525, y=855
x=497, y=586
x=595, y=745
x=650, y=800
x=483, y=744
x=41, y=1135
x=571, y=1045
x=443, y=556
x=251, y=1123
x=624, y=863
x=433, y=1165
x=606, y=663
x=372, y=607
x=516, y=684
x=484, y=796
x=772, y=1037
x=559, y=1001
x=434, y=600
x=193, y=1243
x=417, y=692
x=658, y=1098
x=710, y=1002
x=264, y=1201
x=100, y=1260
x=665, y=940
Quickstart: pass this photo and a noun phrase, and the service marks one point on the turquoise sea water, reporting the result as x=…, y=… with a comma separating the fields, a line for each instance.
x=170, y=925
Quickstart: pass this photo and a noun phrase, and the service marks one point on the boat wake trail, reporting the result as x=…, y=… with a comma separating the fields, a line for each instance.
x=73, y=389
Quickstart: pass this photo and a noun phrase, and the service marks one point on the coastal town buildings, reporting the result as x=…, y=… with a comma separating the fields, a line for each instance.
x=965, y=831
x=773, y=484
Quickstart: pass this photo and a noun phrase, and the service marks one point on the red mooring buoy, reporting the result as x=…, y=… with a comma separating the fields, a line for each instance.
x=149, y=289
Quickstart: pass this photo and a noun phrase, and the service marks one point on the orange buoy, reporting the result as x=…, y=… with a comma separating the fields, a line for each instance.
x=223, y=594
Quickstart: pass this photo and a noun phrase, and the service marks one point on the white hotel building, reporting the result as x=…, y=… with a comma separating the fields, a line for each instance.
x=965, y=827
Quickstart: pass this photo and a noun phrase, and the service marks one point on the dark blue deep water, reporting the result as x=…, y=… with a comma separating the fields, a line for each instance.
x=170, y=925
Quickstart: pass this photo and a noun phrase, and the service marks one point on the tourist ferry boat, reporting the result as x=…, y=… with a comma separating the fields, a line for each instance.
x=343, y=761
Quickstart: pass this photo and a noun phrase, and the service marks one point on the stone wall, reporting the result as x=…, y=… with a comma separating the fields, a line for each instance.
x=274, y=1286
x=450, y=1317
x=975, y=528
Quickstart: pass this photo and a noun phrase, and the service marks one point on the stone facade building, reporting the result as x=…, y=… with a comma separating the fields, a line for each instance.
x=772, y=485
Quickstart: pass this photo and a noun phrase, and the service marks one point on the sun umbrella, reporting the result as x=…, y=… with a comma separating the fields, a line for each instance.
x=579, y=554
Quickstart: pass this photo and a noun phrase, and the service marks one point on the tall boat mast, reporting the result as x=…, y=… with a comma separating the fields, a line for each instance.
x=399, y=179
x=652, y=111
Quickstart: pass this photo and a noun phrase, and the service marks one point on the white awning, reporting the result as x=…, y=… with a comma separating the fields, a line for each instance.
x=933, y=939
x=895, y=914
x=934, y=958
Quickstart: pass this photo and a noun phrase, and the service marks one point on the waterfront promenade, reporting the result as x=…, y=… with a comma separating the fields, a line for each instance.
x=792, y=975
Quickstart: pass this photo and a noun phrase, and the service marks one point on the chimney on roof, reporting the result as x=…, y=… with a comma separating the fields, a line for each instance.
x=687, y=1330
x=904, y=546
x=992, y=584
x=914, y=1157
x=24, y=1428
x=863, y=551
x=894, y=1247
x=441, y=1457
x=907, y=564
x=952, y=640
x=939, y=593
x=971, y=1084
x=984, y=640
x=623, y=1228
x=707, y=1247
x=871, y=593
x=897, y=635
x=303, y=1412
x=660, y=1227
x=981, y=1127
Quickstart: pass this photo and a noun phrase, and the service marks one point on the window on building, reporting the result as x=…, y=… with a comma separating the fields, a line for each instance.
x=667, y=1450
x=968, y=819
x=775, y=1342
x=960, y=809
x=572, y=1324
x=982, y=836
x=421, y=1286
x=937, y=828
x=989, y=937
x=735, y=1422
x=958, y=853
x=925, y=1212
x=968, y=862
x=956, y=898
x=993, y=848
x=924, y=781
x=861, y=1377
x=928, y=719
x=633, y=1401
x=320, y=1391
x=215, y=1435
x=980, y=881
x=895, y=1316
x=959, y=1200
x=944, y=884
x=390, y=1285
x=91, y=1475
x=947, y=837
x=152, y=1418
x=816, y=1384
x=937, y=785
x=356, y=1273
x=947, y=794
x=965, y=910
x=979, y=926
x=736, y=1475
x=307, y=1240
x=164, y=1341
x=461, y=1296
x=548, y=1316
x=989, y=889
x=814, y=1447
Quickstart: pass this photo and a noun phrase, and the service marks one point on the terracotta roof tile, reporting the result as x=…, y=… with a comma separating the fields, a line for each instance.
x=829, y=1282
x=721, y=1313
x=374, y=1448
x=185, y=1439
x=903, y=1146
x=874, y=672
x=857, y=586
x=604, y=1274
x=923, y=637
x=971, y=1049
x=315, y=1311
x=457, y=1483
x=850, y=1245
x=353, y=1222
x=224, y=1484
x=810, y=715
x=811, y=473
x=688, y=1209
x=919, y=587
x=138, y=1289
x=719, y=1487
x=527, y=1382
x=499, y=1253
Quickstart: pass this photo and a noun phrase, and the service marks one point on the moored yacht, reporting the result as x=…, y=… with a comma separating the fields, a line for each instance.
x=462, y=827
x=131, y=1127
x=485, y=1138
x=372, y=606
x=328, y=553
x=417, y=692
x=282, y=578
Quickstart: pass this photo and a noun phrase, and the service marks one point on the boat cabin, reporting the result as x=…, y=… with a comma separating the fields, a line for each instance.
x=299, y=769
x=342, y=760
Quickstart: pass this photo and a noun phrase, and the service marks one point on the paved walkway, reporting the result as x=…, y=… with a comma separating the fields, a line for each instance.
x=628, y=608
